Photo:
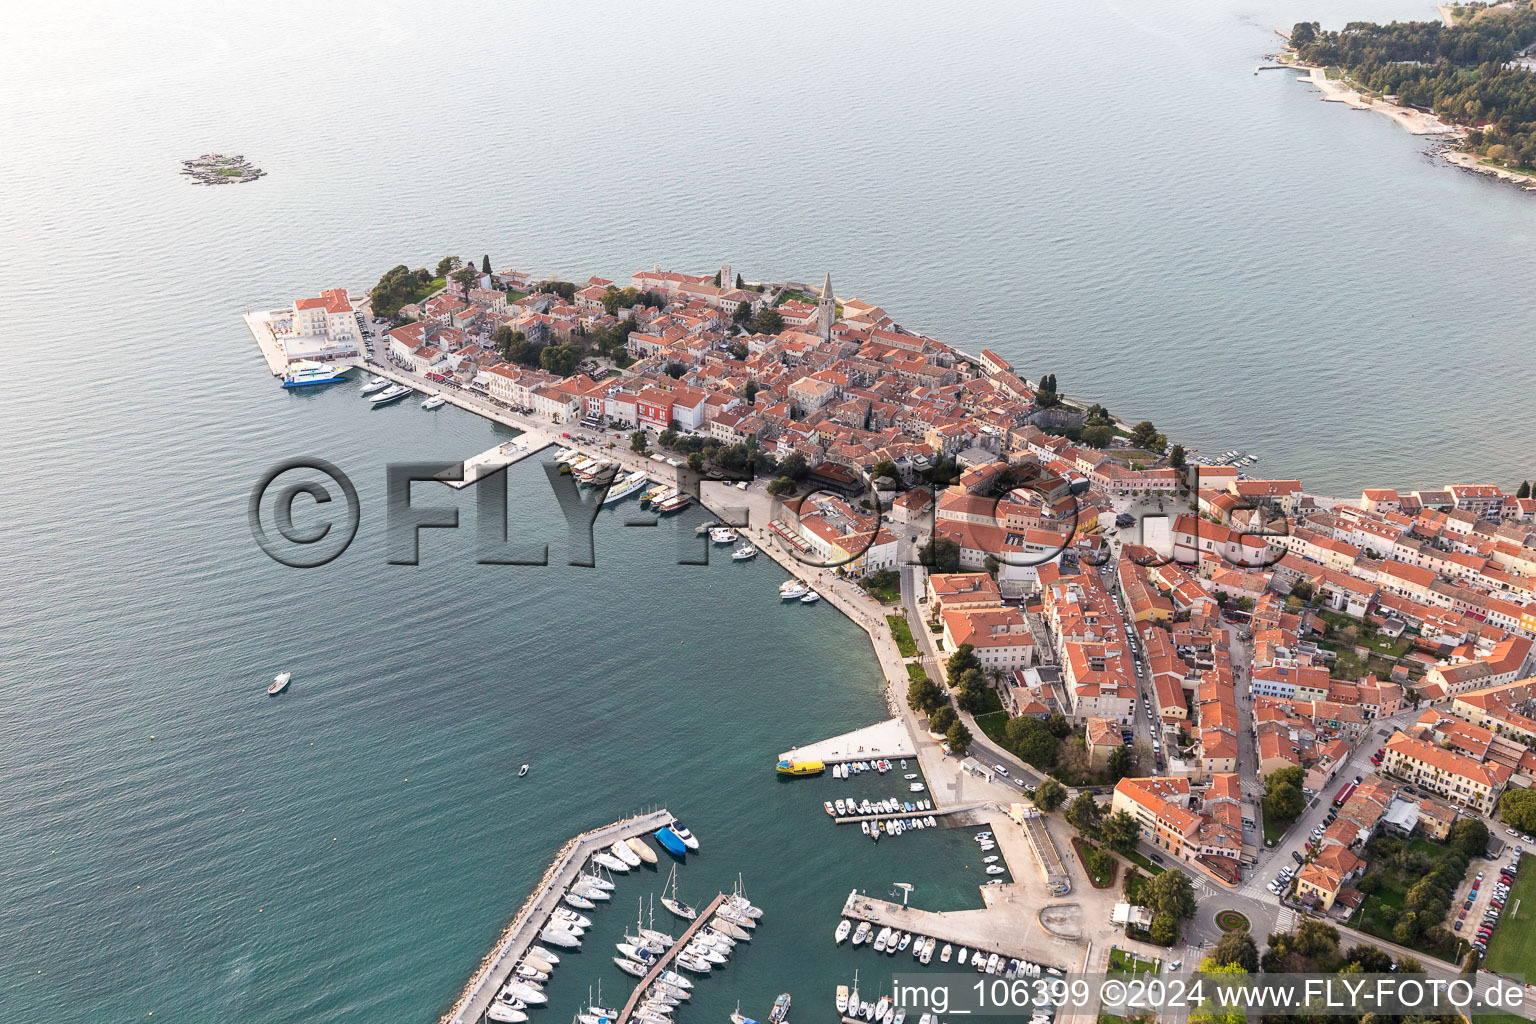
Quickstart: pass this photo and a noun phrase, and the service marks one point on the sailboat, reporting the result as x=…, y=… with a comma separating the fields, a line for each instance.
x=672, y=903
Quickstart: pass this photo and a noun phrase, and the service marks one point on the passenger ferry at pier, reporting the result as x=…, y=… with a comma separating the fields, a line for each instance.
x=305, y=372
x=791, y=590
x=788, y=767
x=675, y=502
x=625, y=486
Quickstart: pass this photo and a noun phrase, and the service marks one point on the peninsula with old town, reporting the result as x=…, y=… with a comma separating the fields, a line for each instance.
x=1147, y=673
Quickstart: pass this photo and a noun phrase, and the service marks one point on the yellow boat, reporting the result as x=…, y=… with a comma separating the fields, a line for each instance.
x=801, y=767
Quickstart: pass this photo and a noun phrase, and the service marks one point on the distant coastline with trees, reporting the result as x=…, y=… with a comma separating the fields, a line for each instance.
x=1469, y=74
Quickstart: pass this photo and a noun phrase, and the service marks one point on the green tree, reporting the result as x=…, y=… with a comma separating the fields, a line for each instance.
x=1143, y=433
x=447, y=265
x=1099, y=435
x=1525, y=489
x=1049, y=795
x=1058, y=725
x=1469, y=837
x=924, y=695
x=1164, y=929
x=782, y=486
x=1120, y=832
x=696, y=461
x=959, y=737
x=1176, y=457
x=749, y=391
x=465, y=277
x=1032, y=740
x=1121, y=763
x=399, y=286
x=794, y=466
x=942, y=718
x=961, y=660
x=485, y=264
x=743, y=312
x=768, y=321
x=971, y=691
x=1085, y=814
x=941, y=554
x=1518, y=809
x=638, y=441
x=1236, y=948
x=1171, y=893
x=560, y=359
x=1283, y=800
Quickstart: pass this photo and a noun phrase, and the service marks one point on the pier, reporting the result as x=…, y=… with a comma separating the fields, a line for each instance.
x=853, y=819
x=508, y=453
x=883, y=741
x=523, y=932
x=666, y=958
x=976, y=929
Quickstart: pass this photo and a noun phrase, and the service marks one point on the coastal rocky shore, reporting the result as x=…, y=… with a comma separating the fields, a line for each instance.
x=219, y=169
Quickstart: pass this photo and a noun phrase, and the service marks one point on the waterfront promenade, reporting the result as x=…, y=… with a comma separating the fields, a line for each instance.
x=523, y=932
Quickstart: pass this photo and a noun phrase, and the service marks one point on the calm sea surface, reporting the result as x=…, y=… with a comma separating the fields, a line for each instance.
x=1100, y=190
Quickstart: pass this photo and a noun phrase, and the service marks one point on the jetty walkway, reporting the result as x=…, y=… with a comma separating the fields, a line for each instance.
x=666, y=958
x=976, y=929
x=523, y=932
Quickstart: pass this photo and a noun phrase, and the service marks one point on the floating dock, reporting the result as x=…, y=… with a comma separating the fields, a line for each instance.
x=888, y=739
x=523, y=932
x=666, y=958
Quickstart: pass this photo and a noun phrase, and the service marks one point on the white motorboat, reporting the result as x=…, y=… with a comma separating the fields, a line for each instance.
x=522, y=771
x=793, y=590
x=741, y=905
x=435, y=402
x=861, y=933
x=995, y=869
x=723, y=535
x=579, y=902
x=622, y=851
x=927, y=956
x=505, y=1013
x=641, y=848
x=743, y=552
x=693, y=963
x=682, y=833
x=631, y=967
x=393, y=393
x=904, y=941
x=989, y=860
x=572, y=920
x=279, y=683
x=731, y=915
x=562, y=937
x=842, y=999
x=713, y=956
x=917, y=787
x=610, y=862
x=530, y=973
x=945, y=952
x=596, y=881
x=810, y=597
x=539, y=952
x=844, y=928
x=676, y=980
x=591, y=892
x=527, y=992
x=883, y=939
x=377, y=384
x=960, y=959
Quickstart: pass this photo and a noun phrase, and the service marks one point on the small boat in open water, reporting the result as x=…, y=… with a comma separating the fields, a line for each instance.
x=279, y=683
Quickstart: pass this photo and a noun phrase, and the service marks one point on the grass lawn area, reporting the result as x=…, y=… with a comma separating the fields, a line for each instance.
x=993, y=703
x=513, y=295
x=1515, y=937
x=1273, y=830
x=1122, y=961
x=915, y=672
x=1135, y=857
x=888, y=594
x=995, y=725
x=902, y=633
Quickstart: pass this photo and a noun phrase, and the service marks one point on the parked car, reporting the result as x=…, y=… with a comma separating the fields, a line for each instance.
x=1296, y=856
